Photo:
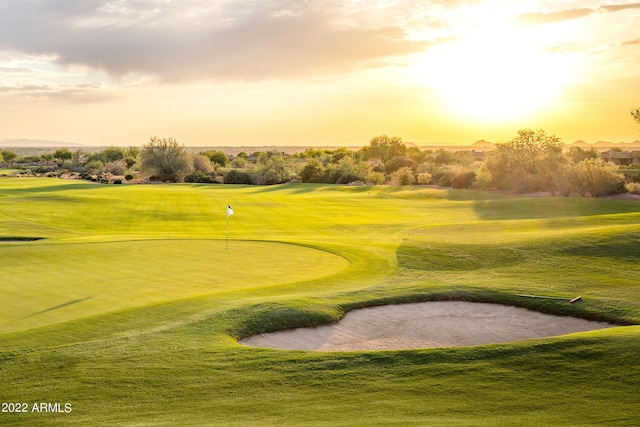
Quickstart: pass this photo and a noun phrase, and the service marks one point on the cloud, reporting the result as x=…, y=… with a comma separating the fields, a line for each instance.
x=618, y=7
x=18, y=70
x=569, y=14
x=548, y=18
x=200, y=41
x=77, y=93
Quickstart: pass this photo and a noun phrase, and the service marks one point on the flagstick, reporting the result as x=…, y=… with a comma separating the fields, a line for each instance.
x=227, y=246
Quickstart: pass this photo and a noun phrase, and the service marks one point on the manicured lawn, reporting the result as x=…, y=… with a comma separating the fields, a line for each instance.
x=130, y=305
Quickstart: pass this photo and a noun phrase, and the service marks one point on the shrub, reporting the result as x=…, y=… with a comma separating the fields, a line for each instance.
x=217, y=157
x=403, y=176
x=235, y=176
x=376, y=178
x=313, y=171
x=398, y=162
x=198, y=176
x=526, y=163
x=463, y=180
x=202, y=163
x=94, y=167
x=128, y=177
x=424, y=178
x=117, y=167
x=165, y=159
x=117, y=181
x=590, y=177
x=348, y=178
x=633, y=188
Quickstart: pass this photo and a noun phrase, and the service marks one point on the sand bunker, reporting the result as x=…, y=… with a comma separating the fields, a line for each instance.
x=425, y=325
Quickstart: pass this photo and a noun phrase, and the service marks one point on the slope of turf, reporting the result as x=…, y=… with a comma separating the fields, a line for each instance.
x=138, y=306
x=63, y=281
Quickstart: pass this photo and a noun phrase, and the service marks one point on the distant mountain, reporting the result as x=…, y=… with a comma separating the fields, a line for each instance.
x=8, y=142
x=606, y=144
x=482, y=144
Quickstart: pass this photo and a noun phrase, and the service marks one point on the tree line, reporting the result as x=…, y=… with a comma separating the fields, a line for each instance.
x=532, y=161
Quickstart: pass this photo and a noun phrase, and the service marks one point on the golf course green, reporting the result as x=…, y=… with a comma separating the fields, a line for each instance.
x=123, y=304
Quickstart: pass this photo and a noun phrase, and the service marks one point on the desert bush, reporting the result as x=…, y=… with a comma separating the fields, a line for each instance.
x=376, y=178
x=398, y=162
x=347, y=169
x=117, y=167
x=590, y=177
x=235, y=176
x=128, y=177
x=200, y=177
x=403, y=176
x=526, y=163
x=239, y=162
x=273, y=168
x=463, y=180
x=165, y=159
x=424, y=178
x=44, y=169
x=117, y=181
x=633, y=188
x=72, y=165
x=202, y=163
x=94, y=167
x=217, y=157
x=312, y=171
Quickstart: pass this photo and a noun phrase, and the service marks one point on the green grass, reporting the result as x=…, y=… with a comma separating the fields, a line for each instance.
x=10, y=171
x=130, y=305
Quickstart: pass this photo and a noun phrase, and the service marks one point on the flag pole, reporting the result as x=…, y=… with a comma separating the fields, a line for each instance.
x=229, y=213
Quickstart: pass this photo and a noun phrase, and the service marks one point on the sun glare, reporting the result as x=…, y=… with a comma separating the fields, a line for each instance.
x=495, y=75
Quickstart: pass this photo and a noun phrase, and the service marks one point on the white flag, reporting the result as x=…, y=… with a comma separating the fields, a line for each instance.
x=229, y=210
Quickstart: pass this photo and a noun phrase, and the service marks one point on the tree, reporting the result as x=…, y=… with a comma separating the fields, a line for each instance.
x=272, y=168
x=577, y=154
x=202, y=163
x=111, y=154
x=8, y=156
x=217, y=157
x=384, y=148
x=347, y=170
x=62, y=154
x=636, y=115
x=165, y=159
x=526, y=163
x=398, y=162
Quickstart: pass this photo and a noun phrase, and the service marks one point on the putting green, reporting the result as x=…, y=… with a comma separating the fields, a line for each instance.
x=49, y=283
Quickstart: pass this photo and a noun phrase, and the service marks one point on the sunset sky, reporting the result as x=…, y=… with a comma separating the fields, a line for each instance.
x=317, y=72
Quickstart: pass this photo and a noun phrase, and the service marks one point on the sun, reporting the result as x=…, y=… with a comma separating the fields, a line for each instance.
x=495, y=74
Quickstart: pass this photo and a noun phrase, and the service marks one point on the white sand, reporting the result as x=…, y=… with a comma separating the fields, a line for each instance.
x=425, y=325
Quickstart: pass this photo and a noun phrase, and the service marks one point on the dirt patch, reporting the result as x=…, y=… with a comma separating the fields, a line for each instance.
x=425, y=325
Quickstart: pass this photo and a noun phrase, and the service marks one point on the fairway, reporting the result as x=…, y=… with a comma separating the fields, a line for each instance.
x=130, y=305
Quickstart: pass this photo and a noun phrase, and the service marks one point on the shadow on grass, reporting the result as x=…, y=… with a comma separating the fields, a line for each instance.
x=19, y=239
x=521, y=207
x=66, y=304
x=33, y=189
x=295, y=188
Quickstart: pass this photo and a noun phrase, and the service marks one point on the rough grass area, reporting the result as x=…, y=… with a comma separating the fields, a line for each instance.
x=130, y=307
